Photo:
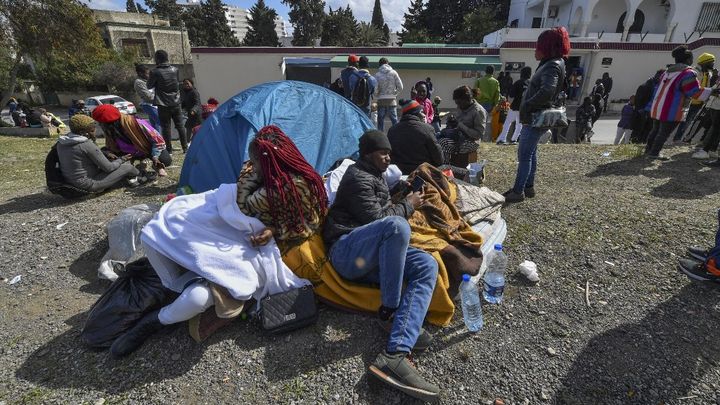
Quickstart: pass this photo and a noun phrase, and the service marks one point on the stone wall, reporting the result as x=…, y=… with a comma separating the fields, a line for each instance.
x=128, y=18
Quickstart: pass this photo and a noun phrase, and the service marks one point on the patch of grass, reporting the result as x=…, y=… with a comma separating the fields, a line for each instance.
x=628, y=151
x=34, y=396
x=22, y=162
x=296, y=387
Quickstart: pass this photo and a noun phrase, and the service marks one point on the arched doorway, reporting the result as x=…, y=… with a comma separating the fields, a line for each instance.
x=637, y=25
x=576, y=21
x=656, y=16
x=604, y=15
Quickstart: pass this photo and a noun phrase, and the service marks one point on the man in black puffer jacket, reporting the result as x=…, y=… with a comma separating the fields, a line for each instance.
x=367, y=237
x=166, y=82
x=413, y=141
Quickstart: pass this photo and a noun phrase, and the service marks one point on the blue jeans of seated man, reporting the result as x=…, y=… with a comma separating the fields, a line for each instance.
x=527, y=157
x=379, y=253
x=153, y=117
x=382, y=112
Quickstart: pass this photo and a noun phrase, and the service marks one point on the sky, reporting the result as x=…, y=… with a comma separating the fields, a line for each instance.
x=393, y=10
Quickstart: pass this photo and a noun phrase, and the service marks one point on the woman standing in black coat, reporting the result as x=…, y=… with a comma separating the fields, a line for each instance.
x=553, y=46
x=191, y=106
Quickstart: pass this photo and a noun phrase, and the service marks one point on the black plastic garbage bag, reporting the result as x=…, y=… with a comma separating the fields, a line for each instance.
x=136, y=292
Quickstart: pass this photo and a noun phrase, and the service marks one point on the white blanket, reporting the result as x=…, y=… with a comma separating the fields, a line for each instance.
x=208, y=235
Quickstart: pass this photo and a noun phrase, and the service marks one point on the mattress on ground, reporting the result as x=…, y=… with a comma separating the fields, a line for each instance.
x=493, y=232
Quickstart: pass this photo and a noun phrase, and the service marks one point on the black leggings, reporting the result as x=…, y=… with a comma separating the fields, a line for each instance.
x=660, y=133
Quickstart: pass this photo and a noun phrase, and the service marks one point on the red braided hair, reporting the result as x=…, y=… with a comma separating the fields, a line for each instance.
x=279, y=158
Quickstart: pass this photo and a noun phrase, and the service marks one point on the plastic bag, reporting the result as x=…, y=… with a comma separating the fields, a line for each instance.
x=124, y=238
x=136, y=292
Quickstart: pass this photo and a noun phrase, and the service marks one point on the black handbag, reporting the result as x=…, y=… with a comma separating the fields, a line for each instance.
x=289, y=310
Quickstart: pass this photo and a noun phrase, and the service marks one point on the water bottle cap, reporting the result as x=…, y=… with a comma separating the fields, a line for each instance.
x=498, y=246
x=466, y=277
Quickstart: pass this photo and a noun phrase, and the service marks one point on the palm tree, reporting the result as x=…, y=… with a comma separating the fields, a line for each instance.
x=369, y=35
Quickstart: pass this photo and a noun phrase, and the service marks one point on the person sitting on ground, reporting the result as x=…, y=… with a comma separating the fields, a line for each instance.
x=471, y=118
x=83, y=164
x=413, y=141
x=624, y=128
x=702, y=264
x=583, y=120
x=128, y=135
x=367, y=238
x=516, y=93
x=488, y=89
x=424, y=101
x=215, y=248
x=677, y=86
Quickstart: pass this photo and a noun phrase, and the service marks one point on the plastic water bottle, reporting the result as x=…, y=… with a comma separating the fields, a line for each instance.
x=471, y=306
x=494, y=284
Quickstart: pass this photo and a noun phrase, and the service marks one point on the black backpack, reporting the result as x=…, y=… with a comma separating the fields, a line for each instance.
x=55, y=180
x=361, y=92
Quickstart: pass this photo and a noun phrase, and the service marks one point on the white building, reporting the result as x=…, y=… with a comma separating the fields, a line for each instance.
x=237, y=19
x=628, y=39
x=655, y=21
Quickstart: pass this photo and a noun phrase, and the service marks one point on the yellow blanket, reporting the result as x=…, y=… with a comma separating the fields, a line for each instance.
x=437, y=229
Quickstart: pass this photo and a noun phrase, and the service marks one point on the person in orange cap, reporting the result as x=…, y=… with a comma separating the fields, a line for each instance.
x=346, y=73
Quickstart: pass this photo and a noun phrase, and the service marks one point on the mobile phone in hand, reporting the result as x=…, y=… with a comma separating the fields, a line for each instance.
x=417, y=184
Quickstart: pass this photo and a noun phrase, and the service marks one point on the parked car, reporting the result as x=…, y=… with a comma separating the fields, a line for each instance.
x=123, y=105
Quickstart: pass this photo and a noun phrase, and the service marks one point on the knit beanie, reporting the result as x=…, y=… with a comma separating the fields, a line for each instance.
x=373, y=140
x=410, y=107
x=705, y=58
x=81, y=124
x=106, y=114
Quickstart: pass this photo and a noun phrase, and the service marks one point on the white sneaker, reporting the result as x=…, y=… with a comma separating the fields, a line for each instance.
x=701, y=154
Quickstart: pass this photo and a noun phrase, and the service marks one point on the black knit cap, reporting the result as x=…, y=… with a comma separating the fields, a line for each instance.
x=373, y=140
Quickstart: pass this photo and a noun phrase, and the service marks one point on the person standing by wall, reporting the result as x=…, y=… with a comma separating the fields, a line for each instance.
x=488, y=89
x=607, y=83
x=165, y=80
x=346, y=73
x=516, y=94
x=624, y=127
x=706, y=62
x=147, y=96
x=677, y=86
x=191, y=106
x=553, y=47
x=388, y=87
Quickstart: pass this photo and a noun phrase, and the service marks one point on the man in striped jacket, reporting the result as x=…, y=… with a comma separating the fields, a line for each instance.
x=677, y=86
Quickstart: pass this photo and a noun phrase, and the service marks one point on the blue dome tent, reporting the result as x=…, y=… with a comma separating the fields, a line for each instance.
x=324, y=125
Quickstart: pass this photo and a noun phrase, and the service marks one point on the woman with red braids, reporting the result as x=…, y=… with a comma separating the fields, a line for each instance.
x=553, y=47
x=219, y=248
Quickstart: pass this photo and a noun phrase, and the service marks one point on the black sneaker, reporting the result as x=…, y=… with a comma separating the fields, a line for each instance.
x=398, y=372
x=512, y=197
x=711, y=163
x=529, y=192
x=698, y=253
x=697, y=271
x=423, y=342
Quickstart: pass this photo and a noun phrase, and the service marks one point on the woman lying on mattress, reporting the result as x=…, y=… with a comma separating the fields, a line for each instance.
x=217, y=248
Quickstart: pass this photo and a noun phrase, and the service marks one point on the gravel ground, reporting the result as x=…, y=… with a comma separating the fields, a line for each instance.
x=617, y=223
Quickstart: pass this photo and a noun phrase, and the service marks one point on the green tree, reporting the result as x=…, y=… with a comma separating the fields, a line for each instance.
x=130, y=6
x=61, y=61
x=413, y=27
x=166, y=10
x=194, y=24
x=368, y=35
x=118, y=74
x=306, y=17
x=482, y=21
x=216, y=26
x=377, y=19
x=140, y=8
x=386, y=34
x=339, y=28
x=261, y=26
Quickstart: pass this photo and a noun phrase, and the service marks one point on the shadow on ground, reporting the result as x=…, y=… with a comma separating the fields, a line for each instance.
x=31, y=202
x=687, y=178
x=86, y=265
x=655, y=360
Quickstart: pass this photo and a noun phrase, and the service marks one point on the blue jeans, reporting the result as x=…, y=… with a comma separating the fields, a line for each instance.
x=379, y=253
x=382, y=112
x=527, y=157
x=152, y=113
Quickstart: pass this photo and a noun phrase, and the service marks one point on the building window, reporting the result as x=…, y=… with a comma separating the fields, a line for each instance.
x=709, y=18
x=537, y=22
x=138, y=47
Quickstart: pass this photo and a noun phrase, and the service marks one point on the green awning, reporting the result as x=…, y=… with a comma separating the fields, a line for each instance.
x=427, y=62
